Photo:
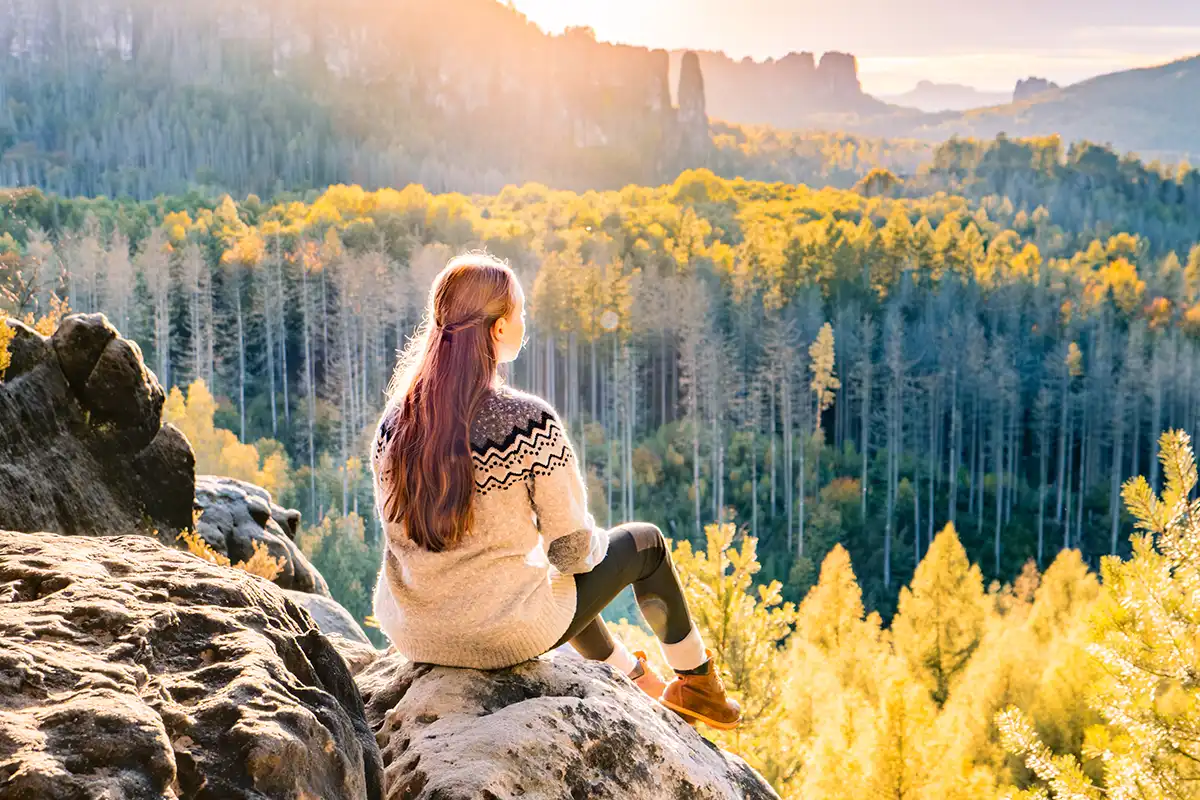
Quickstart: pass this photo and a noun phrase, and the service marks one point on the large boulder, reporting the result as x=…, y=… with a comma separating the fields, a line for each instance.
x=236, y=514
x=82, y=444
x=132, y=670
x=331, y=617
x=554, y=727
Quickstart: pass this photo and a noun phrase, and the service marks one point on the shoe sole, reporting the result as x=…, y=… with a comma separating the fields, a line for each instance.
x=692, y=715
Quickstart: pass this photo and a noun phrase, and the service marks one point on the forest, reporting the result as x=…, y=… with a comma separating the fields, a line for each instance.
x=899, y=410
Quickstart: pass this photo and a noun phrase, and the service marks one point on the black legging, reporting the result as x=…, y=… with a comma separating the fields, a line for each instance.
x=637, y=555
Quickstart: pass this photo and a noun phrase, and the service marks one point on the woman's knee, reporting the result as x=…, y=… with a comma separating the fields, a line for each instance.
x=650, y=543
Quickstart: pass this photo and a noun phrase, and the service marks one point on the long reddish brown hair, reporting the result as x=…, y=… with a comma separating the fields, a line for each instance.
x=440, y=380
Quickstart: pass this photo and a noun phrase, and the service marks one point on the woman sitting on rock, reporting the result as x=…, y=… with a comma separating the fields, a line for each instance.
x=492, y=557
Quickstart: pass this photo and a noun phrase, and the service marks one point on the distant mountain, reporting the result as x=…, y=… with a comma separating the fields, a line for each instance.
x=930, y=96
x=1152, y=111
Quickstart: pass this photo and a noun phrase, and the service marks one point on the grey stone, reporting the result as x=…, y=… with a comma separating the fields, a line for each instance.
x=553, y=727
x=133, y=670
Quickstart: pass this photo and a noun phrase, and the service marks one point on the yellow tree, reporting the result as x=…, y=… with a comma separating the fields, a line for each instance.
x=1146, y=639
x=941, y=615
x=902, y=755
x=218, y=451
x=744, y=627
x=6, y=336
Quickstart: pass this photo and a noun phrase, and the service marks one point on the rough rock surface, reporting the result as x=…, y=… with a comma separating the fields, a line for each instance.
x=235, y=514
x=83, y=451
x=132, y=670
x=330, y=616
x=554, y=727
x=82, y=445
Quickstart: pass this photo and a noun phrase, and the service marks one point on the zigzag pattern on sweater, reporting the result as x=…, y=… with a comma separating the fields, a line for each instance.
x=541, y=422
x=535, y=443
x=540, y=467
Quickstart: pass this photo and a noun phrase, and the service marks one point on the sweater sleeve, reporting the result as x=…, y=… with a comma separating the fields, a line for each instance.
x=574, y=543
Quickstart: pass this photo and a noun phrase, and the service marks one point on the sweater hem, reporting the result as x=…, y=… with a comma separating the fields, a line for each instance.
x=518, y=647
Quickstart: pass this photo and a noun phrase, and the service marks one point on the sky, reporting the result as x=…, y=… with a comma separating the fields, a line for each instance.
x=988, y=44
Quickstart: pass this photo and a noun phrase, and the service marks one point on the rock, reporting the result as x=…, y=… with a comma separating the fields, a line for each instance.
x=329, y=615
x=358, y=656
x=26, y=350
x=790, y=92
x=82, y=448
x=837, y=75
x=165, y=469
x=693, y=118
x=1031, y=87
x=78, y=342
x=554, y=727
x=235, y=514
x=122, y=392
x=133, y=670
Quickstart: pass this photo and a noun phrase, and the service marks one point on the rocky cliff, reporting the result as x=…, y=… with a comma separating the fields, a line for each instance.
x=785, y=92
x=84, y=451
x=82, y=444
x=458, y=95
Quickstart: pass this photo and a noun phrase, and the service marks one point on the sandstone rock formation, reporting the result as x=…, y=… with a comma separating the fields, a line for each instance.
x=236, y=514
x=785, y=92
x=1031, y=87
x=132, y=670
x=82, y=445
x=693, y=116
x=83, y=451
x=555, y=727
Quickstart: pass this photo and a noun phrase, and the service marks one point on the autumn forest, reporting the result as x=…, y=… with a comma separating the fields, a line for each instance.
x=915, y=416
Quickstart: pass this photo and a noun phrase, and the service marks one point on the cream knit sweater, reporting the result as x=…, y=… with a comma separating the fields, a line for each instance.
x=505, y=593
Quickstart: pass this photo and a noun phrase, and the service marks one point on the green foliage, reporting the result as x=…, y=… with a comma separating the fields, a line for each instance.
x=338, y=547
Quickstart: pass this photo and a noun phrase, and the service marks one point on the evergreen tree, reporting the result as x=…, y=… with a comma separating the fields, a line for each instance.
x=940, y=619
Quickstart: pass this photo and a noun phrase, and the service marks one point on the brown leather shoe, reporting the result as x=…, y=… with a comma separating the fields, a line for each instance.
x=648, y=681
x=702, y=697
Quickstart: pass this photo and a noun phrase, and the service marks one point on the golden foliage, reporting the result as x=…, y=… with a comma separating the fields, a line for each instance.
x=261, y=563
x=218, y=451
x=6, y=336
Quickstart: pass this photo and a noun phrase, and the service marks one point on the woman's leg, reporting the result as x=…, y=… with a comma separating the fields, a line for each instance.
x=638, y=556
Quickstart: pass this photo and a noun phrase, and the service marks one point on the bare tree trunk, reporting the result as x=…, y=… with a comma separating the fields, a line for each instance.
x=1060, y=481
x=1043, y=413
x=268, y=308
x=866, y=369
x=771, y=431
x=955, y=447
x=1114, y=488
x=310, y=392
x=998, y=466
x=241, y=362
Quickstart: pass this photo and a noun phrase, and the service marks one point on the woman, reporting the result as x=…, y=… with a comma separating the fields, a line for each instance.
x=492, y=556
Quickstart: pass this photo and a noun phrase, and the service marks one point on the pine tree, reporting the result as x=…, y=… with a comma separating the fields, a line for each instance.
x=940, y=618
x=1144, y=638
x=744, y=626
